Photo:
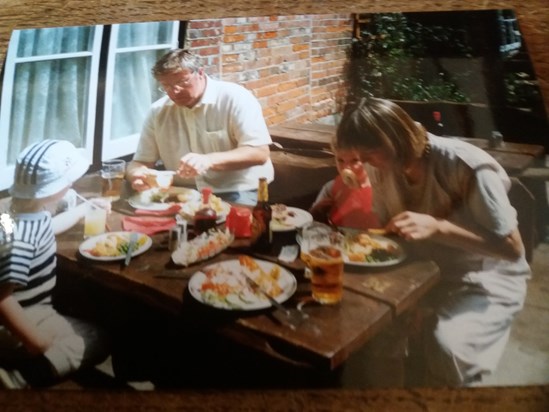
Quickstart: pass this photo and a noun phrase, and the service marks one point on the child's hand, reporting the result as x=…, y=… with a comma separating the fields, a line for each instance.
x=321, y=210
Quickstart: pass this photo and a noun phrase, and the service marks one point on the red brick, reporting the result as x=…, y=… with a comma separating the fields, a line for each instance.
x=234, y=38
x=266, y=35
x=260, y=44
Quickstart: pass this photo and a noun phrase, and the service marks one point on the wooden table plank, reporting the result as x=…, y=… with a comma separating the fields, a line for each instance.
x=331, y=333
x=395, y=286
x=514, y=157
x=507, y=147
x=326, y=340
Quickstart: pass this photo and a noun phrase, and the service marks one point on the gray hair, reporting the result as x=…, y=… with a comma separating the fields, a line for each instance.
x=176, y=60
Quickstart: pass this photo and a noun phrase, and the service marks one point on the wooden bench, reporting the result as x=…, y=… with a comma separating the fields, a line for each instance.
x=299, y=176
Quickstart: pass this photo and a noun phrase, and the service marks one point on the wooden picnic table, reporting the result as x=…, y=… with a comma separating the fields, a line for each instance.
x=372, y=298
x=514, y=157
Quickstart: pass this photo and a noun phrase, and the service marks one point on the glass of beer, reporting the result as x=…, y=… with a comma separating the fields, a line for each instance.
x=304, y=234
x=112, y=178
x=322, y=253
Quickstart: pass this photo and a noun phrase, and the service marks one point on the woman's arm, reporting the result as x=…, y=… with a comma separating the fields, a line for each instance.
x=417, y=226
x=14, y=318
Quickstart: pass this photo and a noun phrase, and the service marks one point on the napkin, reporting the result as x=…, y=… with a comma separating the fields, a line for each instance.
x=147, y=225
x=172, y=210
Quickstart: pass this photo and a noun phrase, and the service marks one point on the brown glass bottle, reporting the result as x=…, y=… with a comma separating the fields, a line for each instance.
x=262, y=214
x=205, y=218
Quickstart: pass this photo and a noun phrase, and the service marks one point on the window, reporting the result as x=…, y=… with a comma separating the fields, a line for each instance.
x=130, y=88
x=53, y=87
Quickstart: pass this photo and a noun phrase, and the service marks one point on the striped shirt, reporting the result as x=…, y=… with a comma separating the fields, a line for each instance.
x=30, y=262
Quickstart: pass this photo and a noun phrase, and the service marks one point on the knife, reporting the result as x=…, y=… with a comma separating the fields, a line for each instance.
x=131, y=247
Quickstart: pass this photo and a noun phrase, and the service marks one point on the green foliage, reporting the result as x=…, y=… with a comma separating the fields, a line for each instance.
x=389, y=60
x=521, y=89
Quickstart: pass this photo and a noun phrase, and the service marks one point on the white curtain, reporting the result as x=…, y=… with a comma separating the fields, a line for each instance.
x=134, y=88
x=50, y=92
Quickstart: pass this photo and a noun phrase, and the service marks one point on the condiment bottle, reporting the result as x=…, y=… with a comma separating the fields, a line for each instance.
x=205, y=218
x=262, y=214
x=439, y=126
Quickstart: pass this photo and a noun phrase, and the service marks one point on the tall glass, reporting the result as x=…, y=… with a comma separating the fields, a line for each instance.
x=112, y=178
x=95, y=221
x=322, y=253
x=305, y=233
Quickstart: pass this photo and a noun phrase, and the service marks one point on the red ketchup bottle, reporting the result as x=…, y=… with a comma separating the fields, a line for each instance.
x=205, y=218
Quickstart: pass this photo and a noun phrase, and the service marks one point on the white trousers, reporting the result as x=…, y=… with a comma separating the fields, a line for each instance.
x=76, y=343
x=472, y=326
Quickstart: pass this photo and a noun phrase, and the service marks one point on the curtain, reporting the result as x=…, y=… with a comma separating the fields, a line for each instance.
x=134, y=88
x=50, y=88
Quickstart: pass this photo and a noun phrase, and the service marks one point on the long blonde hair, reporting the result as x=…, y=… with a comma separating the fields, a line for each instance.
x=372, y=123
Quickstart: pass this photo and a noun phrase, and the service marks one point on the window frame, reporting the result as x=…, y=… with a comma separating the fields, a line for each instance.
x=6, y=170
x=127, y=145
x=97, y=143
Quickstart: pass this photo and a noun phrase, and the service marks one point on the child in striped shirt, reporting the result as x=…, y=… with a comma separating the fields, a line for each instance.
x=38, y=345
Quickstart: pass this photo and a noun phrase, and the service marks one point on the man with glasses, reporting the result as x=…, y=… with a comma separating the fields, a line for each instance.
x=211, y=132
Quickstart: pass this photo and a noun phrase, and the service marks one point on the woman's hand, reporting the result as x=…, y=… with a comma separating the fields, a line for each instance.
x=413, y=226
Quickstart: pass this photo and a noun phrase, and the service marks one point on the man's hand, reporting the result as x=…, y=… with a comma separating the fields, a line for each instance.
x=194, y=164
x=140, y=178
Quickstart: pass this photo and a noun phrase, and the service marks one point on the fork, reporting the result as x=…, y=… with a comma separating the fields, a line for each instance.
x=291, y=317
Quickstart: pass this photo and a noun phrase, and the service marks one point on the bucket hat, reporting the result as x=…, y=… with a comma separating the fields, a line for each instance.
x=47, y=167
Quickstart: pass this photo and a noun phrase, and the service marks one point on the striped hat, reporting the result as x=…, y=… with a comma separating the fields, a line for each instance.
x=47, y=167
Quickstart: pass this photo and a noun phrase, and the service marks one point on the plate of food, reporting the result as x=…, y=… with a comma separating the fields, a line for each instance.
x=202, y=247
x=156, y=199
x=113, y=246
x=286, y=218
x=221, y=207
x=222, y=285
x=370, y=250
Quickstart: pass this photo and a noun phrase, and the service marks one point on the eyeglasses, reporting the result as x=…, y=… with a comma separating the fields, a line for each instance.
x=180, y=85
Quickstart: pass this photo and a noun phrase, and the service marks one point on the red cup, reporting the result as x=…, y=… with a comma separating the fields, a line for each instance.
x=239, y=221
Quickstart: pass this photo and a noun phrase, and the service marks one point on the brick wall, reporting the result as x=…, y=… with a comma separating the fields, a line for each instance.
x=293, y=64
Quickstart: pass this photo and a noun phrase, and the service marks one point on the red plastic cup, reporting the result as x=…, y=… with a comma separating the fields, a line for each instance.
x=239, y=221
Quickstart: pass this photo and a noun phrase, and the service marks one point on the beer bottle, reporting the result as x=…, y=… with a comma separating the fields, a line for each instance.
x=205, y=218
x=262, y=214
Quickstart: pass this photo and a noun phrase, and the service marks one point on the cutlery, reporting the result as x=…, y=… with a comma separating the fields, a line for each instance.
x=131, y=247
x=290, y=317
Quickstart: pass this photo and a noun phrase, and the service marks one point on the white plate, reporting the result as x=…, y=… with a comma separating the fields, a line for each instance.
x=136, y=201
x=227, y=272
x=295, y=218
x=189, y=209
x=88, y=245
x=398, y=253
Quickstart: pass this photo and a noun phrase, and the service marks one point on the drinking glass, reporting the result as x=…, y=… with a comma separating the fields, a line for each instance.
x=322, y=253
x=95, y=221
x=112, y=178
